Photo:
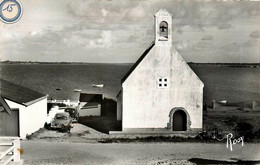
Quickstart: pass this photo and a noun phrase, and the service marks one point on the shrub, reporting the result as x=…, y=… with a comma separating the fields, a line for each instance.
x=244, y=129
x=257, y=134
x=232, y=120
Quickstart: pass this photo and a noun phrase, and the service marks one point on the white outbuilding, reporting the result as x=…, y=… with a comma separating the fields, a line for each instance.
x=161, y=93
x=90, y=104
x=22, y=110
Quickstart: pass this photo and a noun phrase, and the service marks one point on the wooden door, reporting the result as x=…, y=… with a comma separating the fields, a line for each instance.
x=9, y=124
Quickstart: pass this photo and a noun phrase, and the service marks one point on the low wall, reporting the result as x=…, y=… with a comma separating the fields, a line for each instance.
x=90, y=111
x=256, y=105
x=245, y=105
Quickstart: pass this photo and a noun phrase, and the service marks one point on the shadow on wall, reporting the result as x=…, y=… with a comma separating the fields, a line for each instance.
x=107, y=121
x=101, y=123
x=108, y=107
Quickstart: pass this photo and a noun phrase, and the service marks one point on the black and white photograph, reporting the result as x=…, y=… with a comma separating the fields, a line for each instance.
x=129, y=82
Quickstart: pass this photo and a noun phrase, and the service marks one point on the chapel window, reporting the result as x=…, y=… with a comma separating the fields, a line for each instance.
x=162, y=82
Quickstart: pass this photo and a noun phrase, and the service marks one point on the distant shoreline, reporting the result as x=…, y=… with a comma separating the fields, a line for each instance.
x=239, y=65
x=80, y=63
x=235, y=65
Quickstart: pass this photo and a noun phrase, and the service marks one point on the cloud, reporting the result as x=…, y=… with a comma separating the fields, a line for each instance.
x=255, y=34
x=201, y=45
x=234, y=46
x=196, y=14
x=62, y=28
x=222, y=15
x=114, y=11
x=10, y=36
x=180, y=45
x=36, y=32
x=251, y=43
x=104, y=12
x=224, y=26
x=105, y=41
x=246, y=51
x=207, y=37
x=138, y=11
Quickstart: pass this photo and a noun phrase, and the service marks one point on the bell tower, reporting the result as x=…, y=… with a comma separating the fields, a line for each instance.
x=163, y=28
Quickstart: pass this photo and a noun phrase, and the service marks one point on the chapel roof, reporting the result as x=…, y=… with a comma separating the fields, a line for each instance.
x=138, y=61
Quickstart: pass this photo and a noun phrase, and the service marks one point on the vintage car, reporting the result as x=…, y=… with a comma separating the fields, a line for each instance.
x=62, y=121
x=74, y=114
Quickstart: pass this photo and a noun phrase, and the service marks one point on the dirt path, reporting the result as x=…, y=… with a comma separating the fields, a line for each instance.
x=42, y=152
x=79, y=133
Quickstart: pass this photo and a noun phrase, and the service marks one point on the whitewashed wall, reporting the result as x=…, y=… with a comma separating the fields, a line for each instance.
x=147, y=106
x=14, y=104
x=31, y=118
x=119, y=107
x=95, y=111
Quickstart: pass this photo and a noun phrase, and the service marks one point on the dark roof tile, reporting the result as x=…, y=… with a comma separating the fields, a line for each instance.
x=19, y=94
x=90, y=98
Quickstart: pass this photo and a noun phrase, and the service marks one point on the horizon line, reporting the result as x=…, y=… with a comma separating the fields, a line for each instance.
x=40, y=62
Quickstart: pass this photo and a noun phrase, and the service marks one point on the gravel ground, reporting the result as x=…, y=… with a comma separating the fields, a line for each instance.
x=79, y=133
x=57, y=153
x=50, y=147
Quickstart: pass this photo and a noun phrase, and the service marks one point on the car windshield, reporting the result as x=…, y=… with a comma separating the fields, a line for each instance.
x=60, y=117
x=71, y=112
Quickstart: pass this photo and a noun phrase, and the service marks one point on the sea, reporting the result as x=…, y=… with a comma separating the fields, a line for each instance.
x=64, y=81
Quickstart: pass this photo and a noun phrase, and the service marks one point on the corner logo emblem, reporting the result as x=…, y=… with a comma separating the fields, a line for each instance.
x=10, y=11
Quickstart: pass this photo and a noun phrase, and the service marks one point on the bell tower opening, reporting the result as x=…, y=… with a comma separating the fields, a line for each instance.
x=163, y=28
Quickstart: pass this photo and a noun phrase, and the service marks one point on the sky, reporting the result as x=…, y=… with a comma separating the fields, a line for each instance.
x=118, y=31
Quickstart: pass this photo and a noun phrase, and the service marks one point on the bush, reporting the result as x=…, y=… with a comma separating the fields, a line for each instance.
x=257, y=134
x=232, y=120
x=244, y=129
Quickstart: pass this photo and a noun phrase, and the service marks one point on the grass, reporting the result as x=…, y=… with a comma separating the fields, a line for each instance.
x=148, y=139
x=239, y=123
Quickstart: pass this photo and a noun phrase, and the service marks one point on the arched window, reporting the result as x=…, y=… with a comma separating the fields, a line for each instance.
x=163, y=30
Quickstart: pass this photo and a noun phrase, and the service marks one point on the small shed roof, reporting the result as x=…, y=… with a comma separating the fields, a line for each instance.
x=90, y=98
x=19, y=94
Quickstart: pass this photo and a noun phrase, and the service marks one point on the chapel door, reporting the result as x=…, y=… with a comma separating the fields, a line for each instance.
x=179, y=121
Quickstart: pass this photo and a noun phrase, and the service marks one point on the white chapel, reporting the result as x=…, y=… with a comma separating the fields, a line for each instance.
x=161, y=93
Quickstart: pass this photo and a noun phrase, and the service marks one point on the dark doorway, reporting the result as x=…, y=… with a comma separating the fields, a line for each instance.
x=179, y=121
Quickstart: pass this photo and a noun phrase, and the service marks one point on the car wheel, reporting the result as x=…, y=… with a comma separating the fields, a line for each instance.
x=47, y=126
